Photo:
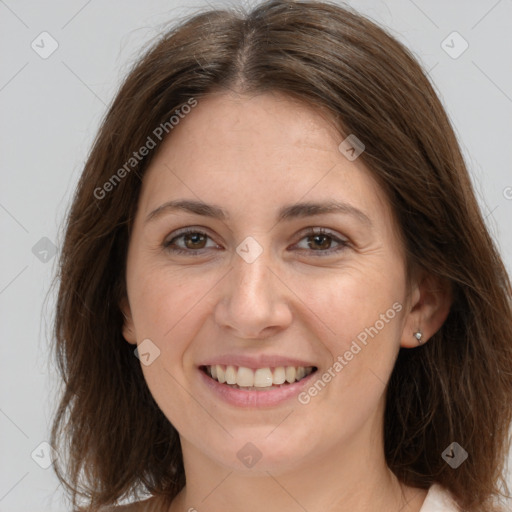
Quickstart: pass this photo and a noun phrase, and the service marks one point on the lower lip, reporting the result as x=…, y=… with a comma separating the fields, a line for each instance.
x=267, y=398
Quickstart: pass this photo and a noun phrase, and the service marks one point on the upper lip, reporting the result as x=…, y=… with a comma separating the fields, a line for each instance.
x=255, y=362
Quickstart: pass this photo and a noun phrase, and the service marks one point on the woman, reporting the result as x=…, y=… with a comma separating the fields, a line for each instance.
x=277, y=291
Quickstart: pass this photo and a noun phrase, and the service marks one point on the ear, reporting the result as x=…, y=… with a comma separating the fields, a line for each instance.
x=430, y=301
x=128, y=327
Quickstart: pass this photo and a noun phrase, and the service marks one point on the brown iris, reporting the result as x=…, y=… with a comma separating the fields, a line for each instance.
x=326, y=242
x=195, y=239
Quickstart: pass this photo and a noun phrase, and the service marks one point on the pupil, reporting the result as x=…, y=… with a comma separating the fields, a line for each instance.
x=195, y=238
x=319, y=238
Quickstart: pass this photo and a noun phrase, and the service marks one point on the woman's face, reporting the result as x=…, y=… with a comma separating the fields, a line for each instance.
x=256, y=289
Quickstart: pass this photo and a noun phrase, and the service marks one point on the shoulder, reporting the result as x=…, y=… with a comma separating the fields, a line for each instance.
x=439, y=500
x=150, y=505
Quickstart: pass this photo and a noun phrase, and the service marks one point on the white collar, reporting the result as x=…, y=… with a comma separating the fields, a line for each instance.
x=439, y=500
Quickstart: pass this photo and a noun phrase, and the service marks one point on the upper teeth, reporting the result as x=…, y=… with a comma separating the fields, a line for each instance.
x=259, y=378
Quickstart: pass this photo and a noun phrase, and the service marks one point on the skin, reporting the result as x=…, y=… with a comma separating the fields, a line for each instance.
x=252, y=155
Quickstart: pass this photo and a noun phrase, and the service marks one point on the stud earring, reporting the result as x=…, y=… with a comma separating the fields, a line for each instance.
x=418, y=335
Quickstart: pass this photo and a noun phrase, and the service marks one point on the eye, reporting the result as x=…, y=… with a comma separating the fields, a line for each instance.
x=189, y=241
x=194, y=242
x=321, y=241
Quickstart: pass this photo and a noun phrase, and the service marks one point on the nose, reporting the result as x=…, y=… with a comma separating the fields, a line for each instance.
x=254, y=302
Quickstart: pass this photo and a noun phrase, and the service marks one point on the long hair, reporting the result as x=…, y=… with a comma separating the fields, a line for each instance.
x=113, y=439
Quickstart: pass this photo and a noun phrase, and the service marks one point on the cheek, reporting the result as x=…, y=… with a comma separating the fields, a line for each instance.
x=165, y=307
x=164, y=299
x=361, y=315
x=349, y=300
x=363, y=349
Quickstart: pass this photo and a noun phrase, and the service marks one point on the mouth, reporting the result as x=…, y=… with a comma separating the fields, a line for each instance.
x=258, y=379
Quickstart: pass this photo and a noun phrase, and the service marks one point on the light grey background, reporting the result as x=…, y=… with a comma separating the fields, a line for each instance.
x=51, y=109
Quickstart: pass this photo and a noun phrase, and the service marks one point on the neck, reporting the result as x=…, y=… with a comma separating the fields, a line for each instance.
x=352, y=478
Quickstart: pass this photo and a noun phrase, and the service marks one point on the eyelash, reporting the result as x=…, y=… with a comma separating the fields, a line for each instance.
x=342, y=244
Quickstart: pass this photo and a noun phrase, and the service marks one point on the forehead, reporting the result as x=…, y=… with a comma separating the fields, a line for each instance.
x=265, y=149
x=273, y=117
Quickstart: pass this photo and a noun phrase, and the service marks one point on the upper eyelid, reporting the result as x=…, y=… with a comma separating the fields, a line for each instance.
x=339, y=239
x=188, y=229
x=304, y=232
x=185, y=231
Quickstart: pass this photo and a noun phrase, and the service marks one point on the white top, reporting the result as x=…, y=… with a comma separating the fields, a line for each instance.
x=439, y=500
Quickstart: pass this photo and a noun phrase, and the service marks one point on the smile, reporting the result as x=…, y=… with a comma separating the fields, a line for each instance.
x=259, y=379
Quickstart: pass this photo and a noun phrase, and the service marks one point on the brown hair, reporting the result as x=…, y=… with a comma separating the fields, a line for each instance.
x=457, y=387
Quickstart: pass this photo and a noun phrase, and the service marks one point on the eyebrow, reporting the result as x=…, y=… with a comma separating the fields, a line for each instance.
x=297, y=210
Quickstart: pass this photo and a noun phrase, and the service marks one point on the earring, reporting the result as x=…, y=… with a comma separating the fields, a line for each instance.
x=418, y=336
